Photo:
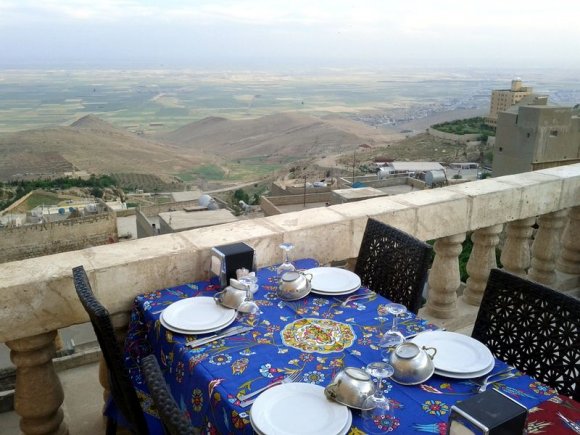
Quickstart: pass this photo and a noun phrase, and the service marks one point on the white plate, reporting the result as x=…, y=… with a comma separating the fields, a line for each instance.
x=298, y=408
x=189, y=332
x=332, y=280
x=472, y=375
x=346, y=292
x=197, y=315
x=456, y=353
x=344, y=430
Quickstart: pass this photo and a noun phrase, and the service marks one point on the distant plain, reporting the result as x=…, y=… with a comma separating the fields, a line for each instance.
x=166, y=112
x=162, y=100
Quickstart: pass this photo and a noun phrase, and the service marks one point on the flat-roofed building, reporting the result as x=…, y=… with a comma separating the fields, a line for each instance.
x=529, y=138
x=181, y=220
x=394, y=168
x=503, y=99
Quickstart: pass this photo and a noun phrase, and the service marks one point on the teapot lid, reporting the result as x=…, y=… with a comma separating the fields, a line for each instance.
x=290, y=276
x=407, y=350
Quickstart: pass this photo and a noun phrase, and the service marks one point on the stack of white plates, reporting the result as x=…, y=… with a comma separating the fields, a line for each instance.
x=332, y=281
x=298, y=409
x=197, y=315
x=458, y=356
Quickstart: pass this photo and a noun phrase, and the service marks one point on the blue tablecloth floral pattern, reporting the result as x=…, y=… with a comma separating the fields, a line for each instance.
x=315, y=337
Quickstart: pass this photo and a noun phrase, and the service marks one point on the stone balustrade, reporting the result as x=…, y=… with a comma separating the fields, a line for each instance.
x=37, y=296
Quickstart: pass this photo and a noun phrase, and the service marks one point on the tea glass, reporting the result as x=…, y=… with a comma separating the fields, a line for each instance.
x=378, y=416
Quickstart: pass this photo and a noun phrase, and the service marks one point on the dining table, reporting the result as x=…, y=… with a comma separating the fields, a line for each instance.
x=311, y=339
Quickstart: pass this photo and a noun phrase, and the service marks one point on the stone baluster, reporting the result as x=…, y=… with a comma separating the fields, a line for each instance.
x=481, y=261
x=38, y=396
x=546, y=247
x=569, y=260
x=444, y=278
x=515, y=255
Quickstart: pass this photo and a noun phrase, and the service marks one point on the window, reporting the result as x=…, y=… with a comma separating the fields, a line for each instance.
x=553, y=133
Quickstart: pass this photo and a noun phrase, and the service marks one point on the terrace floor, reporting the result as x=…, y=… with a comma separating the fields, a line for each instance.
x=83, y=401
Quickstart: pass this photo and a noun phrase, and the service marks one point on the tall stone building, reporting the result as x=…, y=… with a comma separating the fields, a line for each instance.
x=536, y=137
x=503, y=99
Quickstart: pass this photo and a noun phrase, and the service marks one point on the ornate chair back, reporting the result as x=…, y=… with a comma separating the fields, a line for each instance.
x=532, y=327
x=393, y=264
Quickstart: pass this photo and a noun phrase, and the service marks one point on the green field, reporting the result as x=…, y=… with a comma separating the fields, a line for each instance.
x=37, y=199
x=252, y=168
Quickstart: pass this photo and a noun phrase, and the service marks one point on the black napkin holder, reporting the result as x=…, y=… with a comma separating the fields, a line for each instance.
x=227, y=259
x=490, y=412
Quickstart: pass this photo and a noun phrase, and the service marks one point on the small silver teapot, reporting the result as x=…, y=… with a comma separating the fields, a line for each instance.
x=294, y=285
x=412, y=364
x=351, y=387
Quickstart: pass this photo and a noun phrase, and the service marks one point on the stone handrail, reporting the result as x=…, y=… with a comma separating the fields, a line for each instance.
x=37, y=295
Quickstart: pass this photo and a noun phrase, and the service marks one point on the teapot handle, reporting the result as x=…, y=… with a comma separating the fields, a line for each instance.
x=330, y=392
x=218, y=297
x=307, y=275
x=427, y=349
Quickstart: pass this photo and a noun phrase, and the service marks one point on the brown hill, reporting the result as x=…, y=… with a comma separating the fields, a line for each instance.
x=282, y=134
x=93, y=145
x=94, y=123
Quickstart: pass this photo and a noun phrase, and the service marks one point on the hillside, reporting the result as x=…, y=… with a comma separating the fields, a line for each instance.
x=278, y=135
x=218, y=149
x=89, y=144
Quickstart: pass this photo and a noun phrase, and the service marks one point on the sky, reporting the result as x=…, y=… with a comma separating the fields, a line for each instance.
x=290, y=33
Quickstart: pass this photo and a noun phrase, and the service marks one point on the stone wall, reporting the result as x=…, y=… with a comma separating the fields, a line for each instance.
x=154, y=210
x=144, y=227
x=269, y=204
x=17, y=204
x=299, y=199
x=267, y=207
x=50, y=238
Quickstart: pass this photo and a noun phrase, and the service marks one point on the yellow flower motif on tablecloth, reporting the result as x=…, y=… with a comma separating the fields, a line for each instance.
x=435, y=407
x=318, y=335
x=239, y=421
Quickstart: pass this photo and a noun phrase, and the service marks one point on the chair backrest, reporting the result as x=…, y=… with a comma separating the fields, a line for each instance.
x=174, y=420
x=393, y=264
x=122, y=389
x=532, y=327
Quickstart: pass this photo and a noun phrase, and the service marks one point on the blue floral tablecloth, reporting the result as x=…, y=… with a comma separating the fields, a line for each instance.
x=206, y=380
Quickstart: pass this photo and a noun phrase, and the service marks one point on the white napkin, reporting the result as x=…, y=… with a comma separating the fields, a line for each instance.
x=237, y=284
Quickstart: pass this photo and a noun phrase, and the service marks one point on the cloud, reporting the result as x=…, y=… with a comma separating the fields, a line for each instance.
x=276, y=28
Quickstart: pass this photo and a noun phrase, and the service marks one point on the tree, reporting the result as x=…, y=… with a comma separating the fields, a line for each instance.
x=97, y=192
x=241, y=195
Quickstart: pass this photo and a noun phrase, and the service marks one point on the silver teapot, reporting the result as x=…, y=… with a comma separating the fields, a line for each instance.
x=412, y=364
x=350, y=387
x=294, y=285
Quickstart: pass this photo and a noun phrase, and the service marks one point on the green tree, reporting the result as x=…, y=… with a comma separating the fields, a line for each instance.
x=241, y=195
x=97, y=192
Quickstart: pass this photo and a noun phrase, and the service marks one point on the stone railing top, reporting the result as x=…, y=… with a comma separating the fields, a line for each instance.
x=37, y=295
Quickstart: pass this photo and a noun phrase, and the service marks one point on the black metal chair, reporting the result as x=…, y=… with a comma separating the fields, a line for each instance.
x=393, y=264
x=174, y=420
x=532, y=327
x=122, y=391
